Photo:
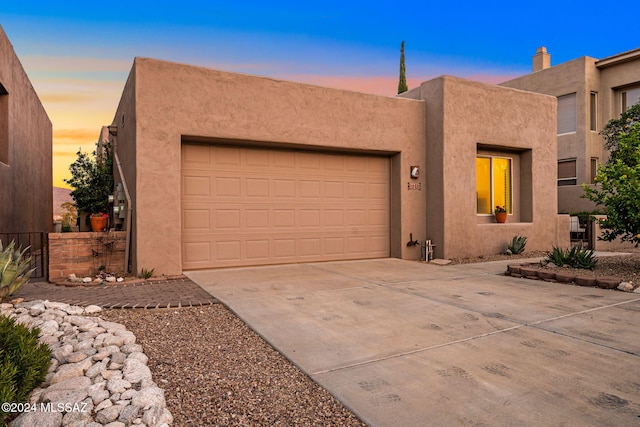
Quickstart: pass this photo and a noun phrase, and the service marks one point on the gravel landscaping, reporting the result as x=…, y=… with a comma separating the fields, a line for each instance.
x=624, y=267
x=216, y=371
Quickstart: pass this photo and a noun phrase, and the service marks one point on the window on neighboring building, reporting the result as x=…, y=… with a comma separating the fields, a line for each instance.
x=593, y=111
x=567, y=172
x=594, y=169
x=493, y=183
x=4, y=125
x=630, y=97
x=567, y=113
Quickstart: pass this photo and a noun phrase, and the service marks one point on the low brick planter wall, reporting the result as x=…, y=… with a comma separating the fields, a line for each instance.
x=529, y=271
x=84, y=253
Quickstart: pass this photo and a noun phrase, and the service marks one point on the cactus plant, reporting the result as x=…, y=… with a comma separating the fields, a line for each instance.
x=13, y=270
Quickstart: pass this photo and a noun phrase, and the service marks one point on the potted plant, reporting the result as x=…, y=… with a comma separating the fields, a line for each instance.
x=98, y=221
x=501, y=214
x=92, y=182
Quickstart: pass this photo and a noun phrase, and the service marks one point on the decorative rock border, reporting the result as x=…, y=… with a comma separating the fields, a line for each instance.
x=98, y=374
x=528, y=271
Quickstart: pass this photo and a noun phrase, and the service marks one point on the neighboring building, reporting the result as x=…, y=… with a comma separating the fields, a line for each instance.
x=25, y=150
x=590, y=92
x=227, y=169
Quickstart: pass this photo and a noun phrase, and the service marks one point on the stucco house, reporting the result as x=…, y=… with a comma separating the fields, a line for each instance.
x=590, y=92
x=25, y=150
x=226, y=169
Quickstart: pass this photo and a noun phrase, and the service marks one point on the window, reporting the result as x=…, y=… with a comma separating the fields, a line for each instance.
x=593, y=111
x=4, y=125
x=567, y=172
x=493, y=183
x=567, y=113
x=630, y=97
x=594, y=169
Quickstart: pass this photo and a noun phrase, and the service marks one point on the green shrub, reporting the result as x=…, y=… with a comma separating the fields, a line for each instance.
x=517, y=245
x=577, y=257
x=145, y=274
x=13, y=270
x=558, y=256
x=583, y=258
x=24, y=362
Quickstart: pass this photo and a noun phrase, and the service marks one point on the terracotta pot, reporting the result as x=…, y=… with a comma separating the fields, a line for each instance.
x=98, y=223
x=501, y=217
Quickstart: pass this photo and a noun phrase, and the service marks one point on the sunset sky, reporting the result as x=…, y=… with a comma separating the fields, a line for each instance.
x=78, y=54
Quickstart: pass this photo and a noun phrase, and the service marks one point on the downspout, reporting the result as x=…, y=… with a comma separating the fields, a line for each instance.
x=113, y=130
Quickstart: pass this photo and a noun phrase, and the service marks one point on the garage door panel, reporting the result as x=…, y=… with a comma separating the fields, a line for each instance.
x=244, y=206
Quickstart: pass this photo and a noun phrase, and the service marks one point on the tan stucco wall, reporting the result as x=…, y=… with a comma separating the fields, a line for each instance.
x=583, y=76
x=26, y=195
x=462, y=114
x=175, y=102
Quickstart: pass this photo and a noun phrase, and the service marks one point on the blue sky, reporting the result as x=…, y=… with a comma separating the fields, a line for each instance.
x=78, y=54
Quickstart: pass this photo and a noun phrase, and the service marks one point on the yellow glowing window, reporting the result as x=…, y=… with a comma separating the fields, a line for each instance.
x=493, y=184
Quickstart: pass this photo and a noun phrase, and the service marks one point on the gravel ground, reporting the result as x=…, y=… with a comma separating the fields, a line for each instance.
x=625, y=267
x=217, y=372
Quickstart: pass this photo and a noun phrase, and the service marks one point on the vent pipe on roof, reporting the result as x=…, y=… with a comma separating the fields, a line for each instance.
x=541, y=60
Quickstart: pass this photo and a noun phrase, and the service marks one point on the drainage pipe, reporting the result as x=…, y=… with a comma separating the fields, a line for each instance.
x=126, y=195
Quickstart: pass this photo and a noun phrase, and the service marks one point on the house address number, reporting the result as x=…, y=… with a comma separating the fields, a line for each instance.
x=414, y=186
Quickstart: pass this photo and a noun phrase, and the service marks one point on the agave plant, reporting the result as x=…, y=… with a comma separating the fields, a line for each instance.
x=517, y=245
x=13, y=270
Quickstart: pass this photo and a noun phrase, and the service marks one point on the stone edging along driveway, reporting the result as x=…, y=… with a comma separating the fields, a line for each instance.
x=530, y=271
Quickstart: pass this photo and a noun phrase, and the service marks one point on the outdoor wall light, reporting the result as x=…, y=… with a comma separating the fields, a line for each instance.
x=414, y=172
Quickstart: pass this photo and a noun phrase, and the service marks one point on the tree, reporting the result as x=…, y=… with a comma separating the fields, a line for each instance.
x=92, y=181
x=402, y=84
x=612, y=130
x=618, y=182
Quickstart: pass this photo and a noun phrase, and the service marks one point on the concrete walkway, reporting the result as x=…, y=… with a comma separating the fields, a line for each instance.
x=408, y=344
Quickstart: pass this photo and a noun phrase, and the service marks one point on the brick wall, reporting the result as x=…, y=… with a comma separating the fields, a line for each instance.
x=84, y=253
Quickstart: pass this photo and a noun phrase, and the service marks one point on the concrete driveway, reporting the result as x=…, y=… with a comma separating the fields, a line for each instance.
x=407, y=344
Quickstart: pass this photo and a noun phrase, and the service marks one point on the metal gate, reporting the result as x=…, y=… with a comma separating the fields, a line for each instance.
x=37, y=249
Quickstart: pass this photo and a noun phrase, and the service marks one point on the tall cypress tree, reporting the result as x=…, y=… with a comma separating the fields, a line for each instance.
x=402, y=84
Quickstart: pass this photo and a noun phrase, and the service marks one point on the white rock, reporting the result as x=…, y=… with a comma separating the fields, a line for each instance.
x=129, y=413
x=106, y=403
x=114, y=341
x=128, y=395
x=109, y=414
x=115, y=385
x=115, y=424
x=91, y=309
x=127, y=336
x=138, y=355
x=111, y=279
x=87, y=280
x=108, y=374
x=62, y=352
x=135, y=371
x=625, y=286
x=74, y=310
x=83, y=323
x=71, y=370
x=131, y=348
x=38, y=419
x=120, y=279
x=110, y=326
x=71, y=391
x=97, y=368
x=148, y=397
x=157, y=415
x=49, y=327
x=55, y=305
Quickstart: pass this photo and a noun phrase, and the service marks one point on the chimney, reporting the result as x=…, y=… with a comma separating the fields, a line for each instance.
x=541, y=60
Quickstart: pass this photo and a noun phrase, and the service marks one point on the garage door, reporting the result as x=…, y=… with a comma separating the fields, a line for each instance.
x=249, y=206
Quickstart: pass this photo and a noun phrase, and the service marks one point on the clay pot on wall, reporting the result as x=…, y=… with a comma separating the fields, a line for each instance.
x=501, y=217
x=98, y=222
